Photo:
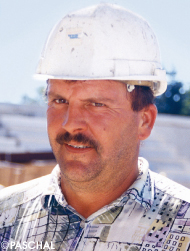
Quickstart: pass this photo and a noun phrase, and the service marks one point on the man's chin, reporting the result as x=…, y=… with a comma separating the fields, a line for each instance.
x=77, y=171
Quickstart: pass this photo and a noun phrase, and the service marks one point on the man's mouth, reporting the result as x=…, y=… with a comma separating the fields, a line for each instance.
x=78, y=149
x=79, y=146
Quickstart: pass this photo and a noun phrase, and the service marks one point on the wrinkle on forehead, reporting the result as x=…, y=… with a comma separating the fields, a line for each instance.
x=88, y=81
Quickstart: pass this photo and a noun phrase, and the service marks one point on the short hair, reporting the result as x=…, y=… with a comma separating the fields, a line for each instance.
x=141, y=97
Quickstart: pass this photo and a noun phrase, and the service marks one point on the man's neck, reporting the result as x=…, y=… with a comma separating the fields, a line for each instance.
x=86, y=199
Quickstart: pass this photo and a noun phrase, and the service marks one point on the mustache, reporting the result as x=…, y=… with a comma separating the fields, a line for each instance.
x=66, y=137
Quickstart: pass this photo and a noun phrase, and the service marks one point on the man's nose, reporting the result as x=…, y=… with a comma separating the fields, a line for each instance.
x=74, y=119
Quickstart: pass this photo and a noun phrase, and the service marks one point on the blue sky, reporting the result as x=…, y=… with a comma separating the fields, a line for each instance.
x=25, y=24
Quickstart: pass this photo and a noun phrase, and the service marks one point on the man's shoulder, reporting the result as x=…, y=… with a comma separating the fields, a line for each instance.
x=18, y=194
x=170, y=187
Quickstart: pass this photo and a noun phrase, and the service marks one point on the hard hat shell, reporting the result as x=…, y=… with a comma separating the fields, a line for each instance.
x=103, y=42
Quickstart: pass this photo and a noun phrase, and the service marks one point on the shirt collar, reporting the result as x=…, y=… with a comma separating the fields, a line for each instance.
x=53, y=188
x=142, y=190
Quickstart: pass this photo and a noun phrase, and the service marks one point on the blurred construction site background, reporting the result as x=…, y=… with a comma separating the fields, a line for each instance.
x=25, y=152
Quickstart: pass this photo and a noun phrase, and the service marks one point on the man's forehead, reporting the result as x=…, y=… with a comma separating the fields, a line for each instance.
x=91, y=88
x=100, y=82
x=130, y=82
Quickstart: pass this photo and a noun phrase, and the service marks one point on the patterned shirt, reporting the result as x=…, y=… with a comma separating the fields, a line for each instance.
x=153, y=214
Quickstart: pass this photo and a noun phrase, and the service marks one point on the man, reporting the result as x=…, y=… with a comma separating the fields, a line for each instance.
x=103, y=69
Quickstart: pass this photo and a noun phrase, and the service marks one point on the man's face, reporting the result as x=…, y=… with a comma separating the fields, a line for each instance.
x=92, y=129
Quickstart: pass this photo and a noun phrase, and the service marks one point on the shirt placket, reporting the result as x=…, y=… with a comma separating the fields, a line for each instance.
x=83, y=242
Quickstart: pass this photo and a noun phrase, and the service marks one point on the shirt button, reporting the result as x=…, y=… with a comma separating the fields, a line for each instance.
x=82, y=224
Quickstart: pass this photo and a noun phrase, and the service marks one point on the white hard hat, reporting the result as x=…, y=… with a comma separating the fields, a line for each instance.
x=103, y=42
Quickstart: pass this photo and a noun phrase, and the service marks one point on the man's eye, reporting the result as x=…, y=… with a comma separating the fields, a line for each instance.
x=61, y=101
x=98, y=104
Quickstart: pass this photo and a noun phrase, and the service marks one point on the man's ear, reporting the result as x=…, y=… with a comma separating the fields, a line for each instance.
x=147, y=120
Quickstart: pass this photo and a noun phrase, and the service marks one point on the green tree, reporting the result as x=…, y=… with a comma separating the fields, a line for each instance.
x=172, y=101
x=186, y=104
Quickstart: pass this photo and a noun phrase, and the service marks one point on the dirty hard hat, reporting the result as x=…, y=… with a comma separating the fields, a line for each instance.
x=103, y=42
